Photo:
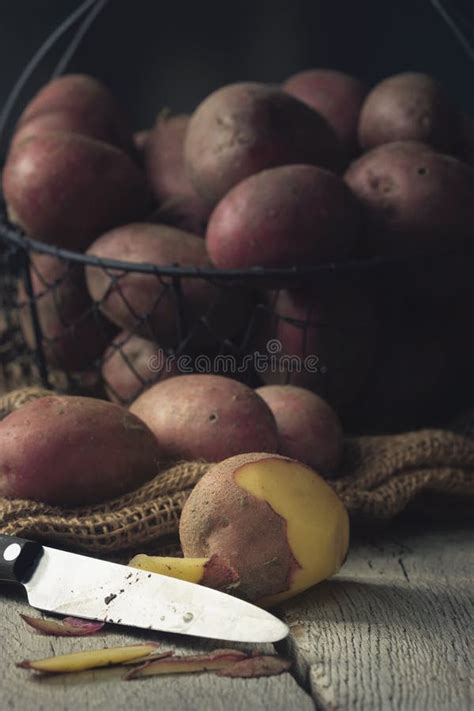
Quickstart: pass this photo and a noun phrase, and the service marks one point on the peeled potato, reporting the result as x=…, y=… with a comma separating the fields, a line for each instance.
x=276, y=525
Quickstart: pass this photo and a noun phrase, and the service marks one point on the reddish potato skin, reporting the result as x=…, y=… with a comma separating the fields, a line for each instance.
x=337, y=96
x=52, y=182
x=334, y=327
x=293, y=215
x=417, y=201
x=308, y=428
x=140, y=139
x=71, y=451
x=179, y=203
x=161, y=245
x=130, y=365
x=165, y=159
x=409, y=106
x=65, y=314
x=206, y=417
x=203, y=530
x=57, y=121
x=245, y=128
x=80, y=104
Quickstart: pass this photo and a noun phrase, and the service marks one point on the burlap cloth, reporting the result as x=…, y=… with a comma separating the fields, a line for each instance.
x=379, y=477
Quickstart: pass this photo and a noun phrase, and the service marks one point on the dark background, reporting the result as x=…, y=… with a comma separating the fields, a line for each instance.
x=155, y=54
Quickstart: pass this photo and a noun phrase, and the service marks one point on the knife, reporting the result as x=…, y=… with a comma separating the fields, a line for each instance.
x=70, y=584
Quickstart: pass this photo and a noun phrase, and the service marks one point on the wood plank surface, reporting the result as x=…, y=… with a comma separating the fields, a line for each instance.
x=392, y=630
x=104, y=690
x=389, y=632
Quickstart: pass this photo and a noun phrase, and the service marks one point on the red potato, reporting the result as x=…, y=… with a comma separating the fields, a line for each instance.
x=147, y=302
x=81, y=104
x=165, y=159
x=131, y=364
x=179, y=203
x=57, y=122
x=322, y=340
x=139, y=142
x=72, y=451
x=206, y=417
x=308, y=428
x=140, y=139
x=338, y=97
x=417, y=201
x=409, y=106
x=244, y=128
x=65, y=312
x=294, y=215
x=66, y=189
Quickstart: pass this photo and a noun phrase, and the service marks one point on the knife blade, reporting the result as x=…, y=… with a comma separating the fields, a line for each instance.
x=70, y=584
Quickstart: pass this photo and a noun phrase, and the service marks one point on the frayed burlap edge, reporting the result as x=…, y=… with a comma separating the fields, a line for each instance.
x=379, y=477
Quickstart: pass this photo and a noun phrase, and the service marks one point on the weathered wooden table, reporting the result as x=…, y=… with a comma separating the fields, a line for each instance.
x=390, y=631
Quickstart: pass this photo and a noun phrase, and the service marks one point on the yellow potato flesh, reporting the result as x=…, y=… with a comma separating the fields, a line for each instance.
x=316, y=520
x=190, y=569
x=80, y=661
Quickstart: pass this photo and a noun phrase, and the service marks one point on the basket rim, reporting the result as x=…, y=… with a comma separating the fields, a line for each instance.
x=15, y=236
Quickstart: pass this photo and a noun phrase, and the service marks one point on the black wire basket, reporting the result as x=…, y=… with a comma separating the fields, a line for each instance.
x=238, y=323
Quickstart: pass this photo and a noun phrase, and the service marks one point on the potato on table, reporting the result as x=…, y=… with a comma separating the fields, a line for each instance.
x=336, y=96
x=293, y=215
x=147, y=304
x=66, y=189
x=274, y=524
x=244, y=128
x=409, y=106
x=417, y=201
x=77, y=103
x=69, y=451
x=308, y=428
x=206, y=417
x=74, y=333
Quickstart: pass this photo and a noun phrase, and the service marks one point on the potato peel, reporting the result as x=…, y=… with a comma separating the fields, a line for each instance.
x=68, y=627
x=254, y=667
x=91, y=659
x=147, y=658
x=191, y=664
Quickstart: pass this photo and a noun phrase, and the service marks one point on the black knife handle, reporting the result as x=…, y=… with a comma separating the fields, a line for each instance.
x=18, y=559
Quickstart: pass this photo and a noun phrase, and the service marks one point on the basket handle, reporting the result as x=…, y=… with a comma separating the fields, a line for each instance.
x=94, y=6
